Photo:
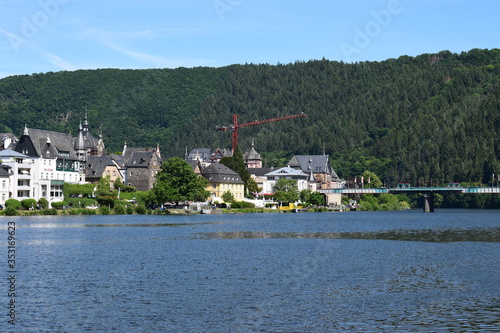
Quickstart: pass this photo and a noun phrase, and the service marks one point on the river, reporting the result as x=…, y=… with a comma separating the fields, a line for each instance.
x=403, y=271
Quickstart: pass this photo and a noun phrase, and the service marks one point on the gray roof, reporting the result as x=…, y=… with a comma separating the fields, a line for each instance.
x=80, y=142
x=119, y=159
x=203, y=154
x=5, y=170
x=219, y=173
x=287, y=171
x=194, y=164
x=11, y=153
x=96, y=165
x=50, y=144
x=138, y=157
x=8, y=136
x=313, y=163
x=260, y=172
x=252, y=154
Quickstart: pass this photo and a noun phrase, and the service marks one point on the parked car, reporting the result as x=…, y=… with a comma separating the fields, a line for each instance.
x=92, y=207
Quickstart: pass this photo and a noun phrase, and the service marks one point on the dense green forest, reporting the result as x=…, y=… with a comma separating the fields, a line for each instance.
x=430, y=118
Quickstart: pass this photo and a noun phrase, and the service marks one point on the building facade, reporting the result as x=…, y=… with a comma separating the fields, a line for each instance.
x=222, y=179
x=285, y=173
x=141, y=166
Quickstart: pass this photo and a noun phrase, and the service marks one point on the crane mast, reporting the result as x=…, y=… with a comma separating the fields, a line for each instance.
x=235, y=126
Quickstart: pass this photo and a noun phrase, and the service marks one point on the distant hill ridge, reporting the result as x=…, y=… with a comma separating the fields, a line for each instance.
x=431, y=117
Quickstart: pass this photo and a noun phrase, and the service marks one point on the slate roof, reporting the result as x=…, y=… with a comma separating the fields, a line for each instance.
x=96, y=165
x=119, y=159
x=11, y=153
x=7, y=136
x=313, y=163
x=260, y=172
x=204, y=154
x=252, y=155
x=195, y=165
x=288, y=172
x=219, y=173
x=138, y=158
x=50, y=144
x=5, y=170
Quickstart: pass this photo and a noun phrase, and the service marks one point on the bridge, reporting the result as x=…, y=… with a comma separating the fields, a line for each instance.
x=426, y=192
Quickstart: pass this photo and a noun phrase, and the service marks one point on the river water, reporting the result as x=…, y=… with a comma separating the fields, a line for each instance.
x=402, y=271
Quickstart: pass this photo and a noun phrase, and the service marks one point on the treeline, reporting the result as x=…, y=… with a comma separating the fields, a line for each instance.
x=426, y=120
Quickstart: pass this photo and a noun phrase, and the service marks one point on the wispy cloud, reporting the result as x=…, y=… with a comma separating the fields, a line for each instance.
x=155, y=60
x=58, y=61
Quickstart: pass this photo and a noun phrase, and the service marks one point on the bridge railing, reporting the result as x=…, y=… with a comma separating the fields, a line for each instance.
x=449, y=189
x=481, y=190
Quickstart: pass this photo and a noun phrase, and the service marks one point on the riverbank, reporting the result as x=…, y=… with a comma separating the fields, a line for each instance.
x=140, y=210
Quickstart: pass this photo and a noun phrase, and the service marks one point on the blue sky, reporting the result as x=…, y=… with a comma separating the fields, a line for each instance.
x=39, y=36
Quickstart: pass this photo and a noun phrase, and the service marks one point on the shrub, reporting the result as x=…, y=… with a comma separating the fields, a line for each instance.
x=10, y=210
x=16, y=204
x=130, y=210
x=242, y=204
x=104, y=210
x=85, y=211
x=119, y=210
x=49, y=211
x=58, y=204
x=140, y=210
x=106, y=200
x=43, y=203
x=28, y=203
x=80, y=202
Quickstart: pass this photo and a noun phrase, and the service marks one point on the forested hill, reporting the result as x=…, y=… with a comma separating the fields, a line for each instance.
x=435, y=116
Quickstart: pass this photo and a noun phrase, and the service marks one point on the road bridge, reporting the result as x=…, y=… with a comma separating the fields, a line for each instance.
x=426, y=192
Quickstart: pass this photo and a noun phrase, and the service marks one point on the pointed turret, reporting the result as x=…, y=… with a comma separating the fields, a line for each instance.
x=157, y=149
x=79, y=142
x=85, y=124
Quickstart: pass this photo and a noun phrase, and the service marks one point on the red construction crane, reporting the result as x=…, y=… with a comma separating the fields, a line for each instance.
x=235, y=126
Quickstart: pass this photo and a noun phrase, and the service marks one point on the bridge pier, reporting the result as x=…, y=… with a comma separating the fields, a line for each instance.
x=428, y=203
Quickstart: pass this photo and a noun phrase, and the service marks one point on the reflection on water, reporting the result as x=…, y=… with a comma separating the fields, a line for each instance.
x=369, y=272
x=436, y=236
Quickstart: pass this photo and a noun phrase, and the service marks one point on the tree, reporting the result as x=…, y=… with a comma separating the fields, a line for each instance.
x=43, y=203
x=228, y=197
x=28, y=203
x=237, y=164
x=286, y=190
x=177, y=182
x=14, y=203
x=312, y=198
x=372, y=180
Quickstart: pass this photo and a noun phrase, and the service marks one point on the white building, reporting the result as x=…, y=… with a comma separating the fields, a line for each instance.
x=51, y=160
x=16, y=177
x=285, y=173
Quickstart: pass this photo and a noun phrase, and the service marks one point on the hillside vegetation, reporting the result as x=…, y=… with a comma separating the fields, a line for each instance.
x=435, y=117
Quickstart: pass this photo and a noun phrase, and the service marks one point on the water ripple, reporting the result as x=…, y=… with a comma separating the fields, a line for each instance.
x=416, y=235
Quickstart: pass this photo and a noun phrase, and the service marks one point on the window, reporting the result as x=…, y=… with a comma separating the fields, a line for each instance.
x=4, y=184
